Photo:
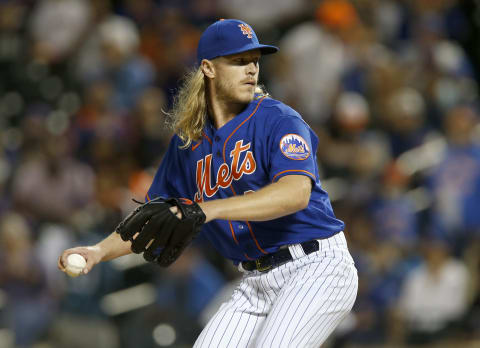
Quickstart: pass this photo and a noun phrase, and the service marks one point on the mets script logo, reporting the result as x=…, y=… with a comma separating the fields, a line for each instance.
x=293, y=146
x=246, y=30
x=225, y=174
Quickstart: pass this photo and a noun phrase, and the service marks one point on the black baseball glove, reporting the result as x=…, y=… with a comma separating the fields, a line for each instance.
x=157, y=233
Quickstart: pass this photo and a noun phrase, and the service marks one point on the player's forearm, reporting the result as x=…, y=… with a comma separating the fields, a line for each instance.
x=112, y=247
x=287, y=196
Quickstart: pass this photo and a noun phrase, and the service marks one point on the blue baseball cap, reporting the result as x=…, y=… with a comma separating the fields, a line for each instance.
x=229, y=36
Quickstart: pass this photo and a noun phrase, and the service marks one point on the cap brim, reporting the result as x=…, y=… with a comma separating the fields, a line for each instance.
x=264, y=49
x=267, y=49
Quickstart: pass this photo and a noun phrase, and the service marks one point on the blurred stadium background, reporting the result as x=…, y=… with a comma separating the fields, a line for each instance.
x=390, y=86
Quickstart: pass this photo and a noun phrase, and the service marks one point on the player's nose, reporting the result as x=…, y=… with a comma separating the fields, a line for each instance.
x=252, y=68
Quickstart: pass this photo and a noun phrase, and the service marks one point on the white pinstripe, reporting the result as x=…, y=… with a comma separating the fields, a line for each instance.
x=297, y=304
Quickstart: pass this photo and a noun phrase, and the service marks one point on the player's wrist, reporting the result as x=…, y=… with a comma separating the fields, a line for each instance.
x=101, y=251
x=209, y=210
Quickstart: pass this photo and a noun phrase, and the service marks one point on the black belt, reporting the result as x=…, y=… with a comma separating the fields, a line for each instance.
x=267, y=262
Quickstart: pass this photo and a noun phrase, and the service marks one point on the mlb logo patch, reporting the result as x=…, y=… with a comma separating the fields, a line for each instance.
x=294, y=147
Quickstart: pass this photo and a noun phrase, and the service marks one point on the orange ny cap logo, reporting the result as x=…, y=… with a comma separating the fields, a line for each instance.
x=246, y=30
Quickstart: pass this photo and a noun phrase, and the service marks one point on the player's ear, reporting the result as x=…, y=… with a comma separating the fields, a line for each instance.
x=207, y=68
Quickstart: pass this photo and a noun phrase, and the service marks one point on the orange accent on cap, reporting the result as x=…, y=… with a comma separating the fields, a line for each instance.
x=246, y=30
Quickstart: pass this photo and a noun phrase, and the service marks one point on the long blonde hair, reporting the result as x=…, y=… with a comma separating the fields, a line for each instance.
x=189, y=111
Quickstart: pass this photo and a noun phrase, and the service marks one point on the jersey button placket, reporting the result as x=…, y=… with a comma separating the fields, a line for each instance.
x=217, y=158
x=217, y=145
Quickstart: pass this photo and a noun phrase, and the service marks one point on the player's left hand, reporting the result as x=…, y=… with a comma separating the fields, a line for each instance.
x=162, y=228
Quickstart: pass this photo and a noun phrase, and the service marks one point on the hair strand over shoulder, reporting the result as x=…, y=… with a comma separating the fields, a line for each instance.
x=189, y=111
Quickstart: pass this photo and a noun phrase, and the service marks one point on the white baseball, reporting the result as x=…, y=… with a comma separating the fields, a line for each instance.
x=75, y=265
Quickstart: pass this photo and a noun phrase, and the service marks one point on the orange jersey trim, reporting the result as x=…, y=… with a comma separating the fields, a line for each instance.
x=206, y=136
x=148, y=198
x=194, y=147
x=294, y=170
x=231, y=187
x=255, y=239
x=241, y=124
x=233, y=232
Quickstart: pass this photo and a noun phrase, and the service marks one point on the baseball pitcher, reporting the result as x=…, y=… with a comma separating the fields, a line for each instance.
x=242, y=169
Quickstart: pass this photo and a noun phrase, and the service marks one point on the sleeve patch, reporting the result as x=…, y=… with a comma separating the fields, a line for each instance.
x=294, y=147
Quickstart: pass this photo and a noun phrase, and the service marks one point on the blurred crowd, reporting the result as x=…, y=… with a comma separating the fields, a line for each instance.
x=390, y=87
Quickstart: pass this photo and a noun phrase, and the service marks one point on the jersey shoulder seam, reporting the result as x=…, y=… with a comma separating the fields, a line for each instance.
x=284, y=109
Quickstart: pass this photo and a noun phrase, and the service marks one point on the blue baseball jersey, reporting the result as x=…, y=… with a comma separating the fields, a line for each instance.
x=263, y=143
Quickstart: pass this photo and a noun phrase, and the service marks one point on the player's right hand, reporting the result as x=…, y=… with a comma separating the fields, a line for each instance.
x=92, y=255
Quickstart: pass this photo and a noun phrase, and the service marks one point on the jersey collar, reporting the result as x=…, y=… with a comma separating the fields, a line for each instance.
x=228, y=127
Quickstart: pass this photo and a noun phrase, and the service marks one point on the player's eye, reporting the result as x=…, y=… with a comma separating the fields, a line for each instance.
x=246, y=61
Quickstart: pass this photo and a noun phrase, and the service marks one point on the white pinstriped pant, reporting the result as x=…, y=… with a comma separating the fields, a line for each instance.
x=297, y=304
